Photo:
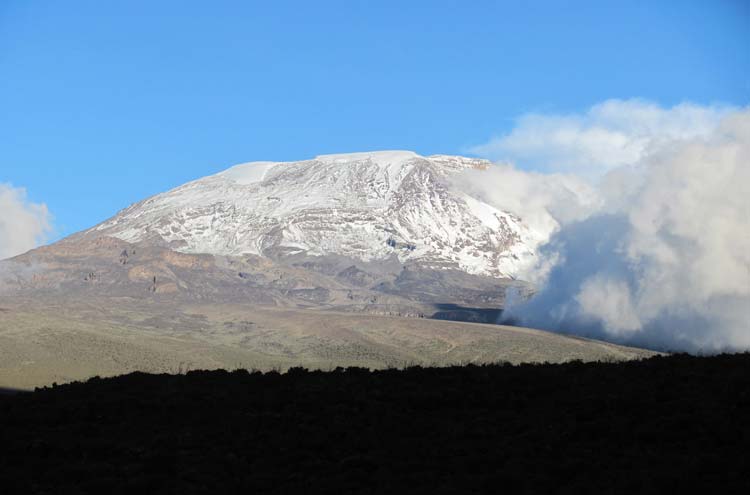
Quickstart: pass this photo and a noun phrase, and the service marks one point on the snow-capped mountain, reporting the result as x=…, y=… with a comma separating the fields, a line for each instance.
x=368, y=206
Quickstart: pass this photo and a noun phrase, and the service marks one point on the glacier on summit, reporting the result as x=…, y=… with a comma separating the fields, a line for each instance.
x=369, y=206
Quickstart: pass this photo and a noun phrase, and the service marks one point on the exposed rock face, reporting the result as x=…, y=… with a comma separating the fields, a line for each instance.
x=367, y=206
x=92, y=268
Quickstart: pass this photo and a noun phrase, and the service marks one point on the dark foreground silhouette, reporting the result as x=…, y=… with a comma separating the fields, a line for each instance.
x=667, y=425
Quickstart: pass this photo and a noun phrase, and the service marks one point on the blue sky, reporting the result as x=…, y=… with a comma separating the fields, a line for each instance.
x=105, y=103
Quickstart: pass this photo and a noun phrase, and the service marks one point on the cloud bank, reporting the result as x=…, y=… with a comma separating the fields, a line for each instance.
x=611, y=134
x=23, y=225
x=648, y=230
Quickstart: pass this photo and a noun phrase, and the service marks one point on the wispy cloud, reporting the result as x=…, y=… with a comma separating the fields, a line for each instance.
x=610, y=134
x=23, y=225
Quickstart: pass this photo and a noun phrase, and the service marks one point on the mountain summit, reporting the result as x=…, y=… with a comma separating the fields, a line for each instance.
x=369, y=206
x=341, y=260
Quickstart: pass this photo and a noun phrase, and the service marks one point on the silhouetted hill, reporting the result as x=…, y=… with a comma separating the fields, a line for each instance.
x=667, y=424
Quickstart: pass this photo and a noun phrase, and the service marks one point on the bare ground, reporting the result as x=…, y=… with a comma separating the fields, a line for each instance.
x=67, y=341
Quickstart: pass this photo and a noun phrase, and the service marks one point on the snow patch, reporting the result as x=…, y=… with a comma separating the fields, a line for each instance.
x=248, y=173
x=382, y=158
x=370, y=206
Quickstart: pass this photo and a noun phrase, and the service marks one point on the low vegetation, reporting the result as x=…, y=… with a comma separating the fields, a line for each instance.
x=660, y=425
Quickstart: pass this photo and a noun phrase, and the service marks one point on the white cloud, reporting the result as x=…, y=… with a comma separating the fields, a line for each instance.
x=543, y=201
x=23, y=225
x=657, y=253
x=610, y=300
x=610, y=134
